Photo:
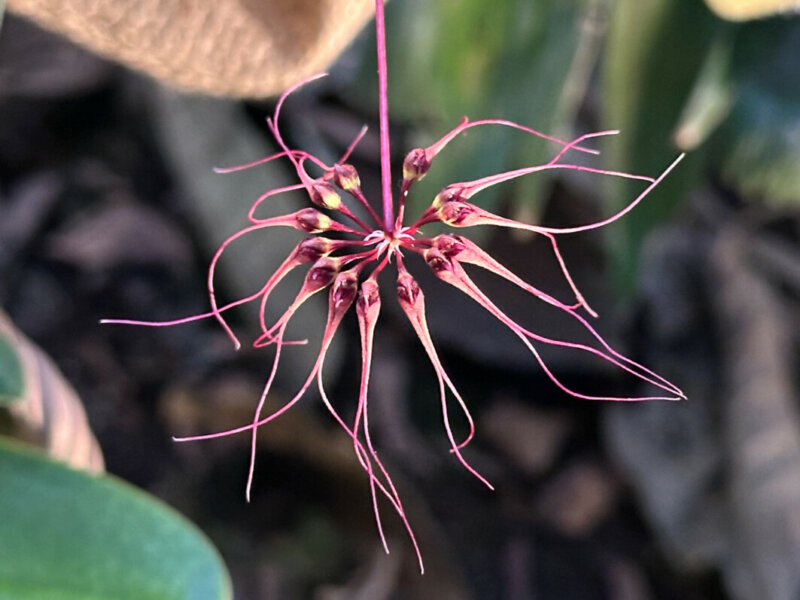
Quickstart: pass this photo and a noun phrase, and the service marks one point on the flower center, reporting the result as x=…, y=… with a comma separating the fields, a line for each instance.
x=389, y=242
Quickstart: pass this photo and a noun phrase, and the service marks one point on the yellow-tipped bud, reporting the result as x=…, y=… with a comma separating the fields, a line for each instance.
x=346, y=177
x=311, y=220
x=323, y=194
x=416, y=164
x=448, y=194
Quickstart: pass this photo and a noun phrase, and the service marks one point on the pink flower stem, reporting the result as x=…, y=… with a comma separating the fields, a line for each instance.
x=383, y=110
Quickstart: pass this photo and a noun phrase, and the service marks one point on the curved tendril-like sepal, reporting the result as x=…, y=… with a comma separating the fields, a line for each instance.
x=386, y=487
x=183, y=320
x=464, y=250
x=418, y=161
x=412, y=301
x=319, y=191
x=367, y=311
x=342, y=294
x=265, y=196
x=319, y=276
x=368, y=308
x=307, y=220
x=453, y=209
x=450, y=271
x=298, y=154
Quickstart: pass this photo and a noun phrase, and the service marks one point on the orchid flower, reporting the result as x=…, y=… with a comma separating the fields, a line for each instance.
x=346, y=249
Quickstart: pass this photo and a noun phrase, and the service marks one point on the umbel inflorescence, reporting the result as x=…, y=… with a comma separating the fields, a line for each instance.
x=345, y=249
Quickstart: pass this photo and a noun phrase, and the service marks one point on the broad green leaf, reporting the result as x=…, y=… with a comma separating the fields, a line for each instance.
x=11, y=379
x=656, y=49
x=66, y=535
x=758, y=148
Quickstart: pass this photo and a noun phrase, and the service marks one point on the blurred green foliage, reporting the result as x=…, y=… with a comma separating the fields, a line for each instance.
x=11, y=384
x=757, y=148
x=67, y=535
x=655, y=51
x=670, y=75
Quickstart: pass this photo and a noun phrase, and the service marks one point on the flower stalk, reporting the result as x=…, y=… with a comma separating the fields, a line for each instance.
x=383, y=117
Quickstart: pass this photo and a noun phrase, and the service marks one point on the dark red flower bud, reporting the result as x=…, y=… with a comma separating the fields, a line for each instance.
x=322, y=273
x=407, y=290
x=449, y=245
x=437, y=261
x=346, y=177
x=368, y=297
x=323, y=194
x=343, y=291
x=455, y=213
x=416, y=164
x=312, y=249
x=311, y=220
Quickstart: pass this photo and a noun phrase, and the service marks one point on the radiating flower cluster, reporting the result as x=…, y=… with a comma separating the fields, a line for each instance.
x=345, y=250
x=345, y=253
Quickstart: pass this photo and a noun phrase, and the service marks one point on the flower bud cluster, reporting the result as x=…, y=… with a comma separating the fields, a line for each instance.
x=359, y=245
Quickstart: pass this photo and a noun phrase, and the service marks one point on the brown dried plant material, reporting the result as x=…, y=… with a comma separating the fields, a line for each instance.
x=531, y=438
x=761, y=428
x=245, y=48
x=720, y=475
x=578, y=499
x=50, y=414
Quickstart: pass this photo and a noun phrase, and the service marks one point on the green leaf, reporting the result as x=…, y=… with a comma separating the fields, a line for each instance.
x=67, y=535
x=712, y=97
x=12, y=385
x=656, y=50
x=758, y=148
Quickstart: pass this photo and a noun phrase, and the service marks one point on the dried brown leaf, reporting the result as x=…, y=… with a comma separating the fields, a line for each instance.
x=720, y=474
x=762, y=429
x=121, y=233
x=531, y=438
x=578, y=499
x=247, y=48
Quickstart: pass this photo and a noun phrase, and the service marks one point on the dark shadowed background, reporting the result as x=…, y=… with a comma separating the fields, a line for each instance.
x=109, y=208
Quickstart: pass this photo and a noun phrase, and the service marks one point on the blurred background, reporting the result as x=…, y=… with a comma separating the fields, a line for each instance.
x=109, y=208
